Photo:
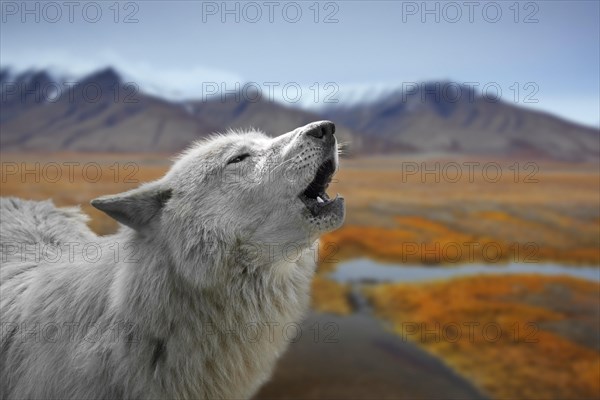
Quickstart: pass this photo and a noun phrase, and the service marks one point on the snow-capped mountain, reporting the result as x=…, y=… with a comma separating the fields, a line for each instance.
x=49, y=110
x=43, y=111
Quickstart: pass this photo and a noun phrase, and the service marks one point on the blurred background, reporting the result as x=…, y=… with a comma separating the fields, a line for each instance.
x=468, y=265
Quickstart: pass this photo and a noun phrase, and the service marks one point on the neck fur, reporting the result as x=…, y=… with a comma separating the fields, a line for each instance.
x=234, y=328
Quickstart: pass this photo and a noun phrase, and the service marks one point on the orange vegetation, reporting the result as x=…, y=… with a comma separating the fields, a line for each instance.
x=514, y=336
x=420, y=246
x=552, y=215
x=330, y=297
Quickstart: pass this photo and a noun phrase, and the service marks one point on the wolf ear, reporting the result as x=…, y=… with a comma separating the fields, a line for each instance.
x=136, y=207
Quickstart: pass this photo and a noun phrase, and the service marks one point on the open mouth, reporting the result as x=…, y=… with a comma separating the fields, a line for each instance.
x=314, y=196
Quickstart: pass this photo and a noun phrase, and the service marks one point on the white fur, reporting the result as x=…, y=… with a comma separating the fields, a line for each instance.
x=191, y=299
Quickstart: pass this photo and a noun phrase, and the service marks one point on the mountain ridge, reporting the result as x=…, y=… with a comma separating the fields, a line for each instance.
x=103, y=112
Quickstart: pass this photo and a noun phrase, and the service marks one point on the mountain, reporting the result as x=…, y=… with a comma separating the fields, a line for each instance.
x=441, y=117
x=103, y=113
x=100, y=113
x=41, y=111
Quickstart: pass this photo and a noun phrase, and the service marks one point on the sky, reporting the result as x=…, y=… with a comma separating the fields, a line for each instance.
x=539, y=54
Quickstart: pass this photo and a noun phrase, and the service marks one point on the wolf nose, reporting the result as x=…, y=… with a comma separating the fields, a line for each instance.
x=321, y=129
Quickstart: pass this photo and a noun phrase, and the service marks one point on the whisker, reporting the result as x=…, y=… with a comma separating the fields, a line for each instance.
x=285, y=162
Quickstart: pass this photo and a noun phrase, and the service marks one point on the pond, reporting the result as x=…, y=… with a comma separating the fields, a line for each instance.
x=365, y=270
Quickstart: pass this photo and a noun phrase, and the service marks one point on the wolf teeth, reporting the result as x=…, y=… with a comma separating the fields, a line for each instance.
x=320, y=200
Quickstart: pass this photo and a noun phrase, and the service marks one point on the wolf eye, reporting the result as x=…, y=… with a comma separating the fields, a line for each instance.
x=239, y=158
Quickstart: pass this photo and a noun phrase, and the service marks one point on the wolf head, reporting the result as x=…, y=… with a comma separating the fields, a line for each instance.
x=239, y=188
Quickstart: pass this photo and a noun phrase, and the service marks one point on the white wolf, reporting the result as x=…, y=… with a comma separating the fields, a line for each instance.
x=191, y=298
